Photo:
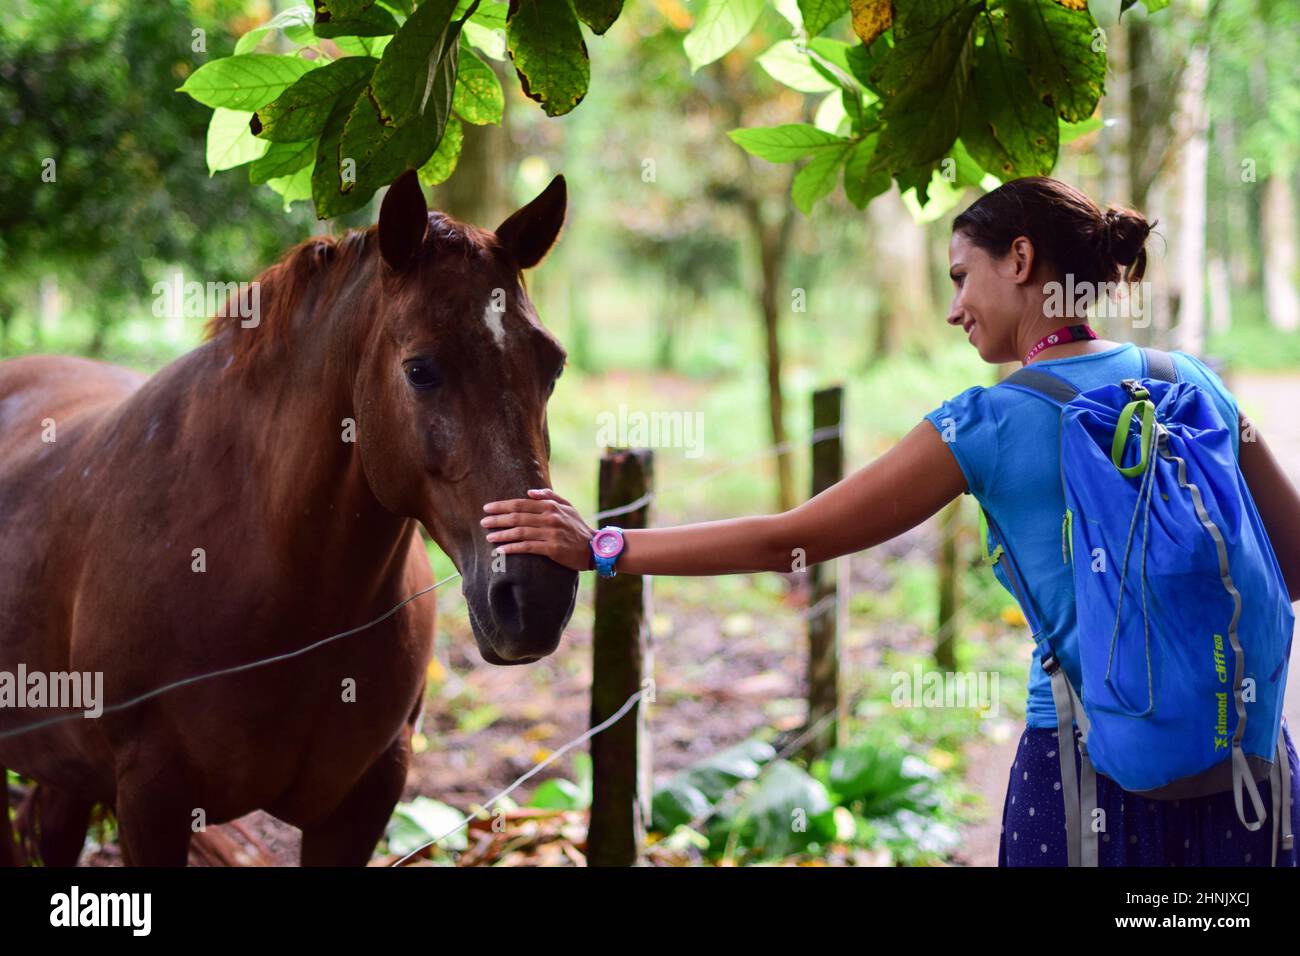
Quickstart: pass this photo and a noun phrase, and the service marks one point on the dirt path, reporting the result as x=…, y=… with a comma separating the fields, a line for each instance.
x=1269, y=399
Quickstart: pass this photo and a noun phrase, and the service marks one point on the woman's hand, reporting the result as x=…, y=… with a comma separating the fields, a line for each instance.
x=543, y=523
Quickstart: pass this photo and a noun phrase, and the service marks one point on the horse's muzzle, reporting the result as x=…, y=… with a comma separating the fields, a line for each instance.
x=527, y=608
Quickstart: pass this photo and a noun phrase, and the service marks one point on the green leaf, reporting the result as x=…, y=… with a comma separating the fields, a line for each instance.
x=829, y=58
x=282, y=159
x=1005, y=128
x=244, y=82
x=230, y=143
x=675, y=804
x=330, y=9
x=787, y=812
x=923, y=80
x=490, y=14
x=783, y=144
x=862, y=182
x=371, y=22
x=557, y=794
x=831, y=116
x=916, y=178
x=718, y=774
x=598, y=14
x=863, y=61
x=1057, y=46
x=786, y=63
x=363, y=46
x=1069, y=132
x=396, y=124
x=719, y=26
x=546, y=45
x=819, y=14
x=295, y=187
x=439, y=167
x=300, y=111
x=326, y=181
x=836, y=51
x=965, y=171
x=879, y=781
x=416, y=823
x=486, y=28
x=819, y=176
x=491, y=43
x=478, y=97
x=412, y=59
x=291, y=21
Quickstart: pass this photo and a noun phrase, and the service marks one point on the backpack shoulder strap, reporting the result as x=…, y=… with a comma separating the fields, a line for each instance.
x=1160, y=365
x=1045, y=385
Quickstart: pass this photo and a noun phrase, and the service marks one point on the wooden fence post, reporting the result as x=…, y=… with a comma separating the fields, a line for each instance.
x=945, y=651
x=823, y=631
x=621, y=660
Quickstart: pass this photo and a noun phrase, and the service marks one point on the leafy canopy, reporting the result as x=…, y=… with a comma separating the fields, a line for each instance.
x=375, y=88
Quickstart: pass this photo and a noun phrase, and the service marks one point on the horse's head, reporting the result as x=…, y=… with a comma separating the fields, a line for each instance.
x=451, y=400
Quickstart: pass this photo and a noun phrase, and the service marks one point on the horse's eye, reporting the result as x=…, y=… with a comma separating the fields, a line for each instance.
x=422, y=375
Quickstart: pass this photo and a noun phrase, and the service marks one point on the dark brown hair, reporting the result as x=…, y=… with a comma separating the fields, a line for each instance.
x=1067, y=229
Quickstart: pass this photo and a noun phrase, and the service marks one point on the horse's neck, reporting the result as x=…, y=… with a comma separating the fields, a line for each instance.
x=290, y=418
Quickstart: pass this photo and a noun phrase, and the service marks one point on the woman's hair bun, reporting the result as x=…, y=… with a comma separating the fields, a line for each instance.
x=1124, y=234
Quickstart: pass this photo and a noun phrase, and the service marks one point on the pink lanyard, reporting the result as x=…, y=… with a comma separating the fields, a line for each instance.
x=1066, y=333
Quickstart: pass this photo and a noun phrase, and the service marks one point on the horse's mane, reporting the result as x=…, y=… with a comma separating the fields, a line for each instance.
x=317, y=268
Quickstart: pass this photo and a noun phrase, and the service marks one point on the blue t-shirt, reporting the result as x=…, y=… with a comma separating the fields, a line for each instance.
x=1007, y=444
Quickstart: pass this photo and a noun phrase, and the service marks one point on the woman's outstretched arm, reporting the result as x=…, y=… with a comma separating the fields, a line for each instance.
x=1277, y=501
x=879, y=501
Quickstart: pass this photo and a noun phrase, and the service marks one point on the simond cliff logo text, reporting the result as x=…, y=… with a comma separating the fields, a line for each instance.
x=1221, y=697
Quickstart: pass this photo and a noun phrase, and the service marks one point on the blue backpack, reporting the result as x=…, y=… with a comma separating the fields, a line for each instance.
x=1184, y=619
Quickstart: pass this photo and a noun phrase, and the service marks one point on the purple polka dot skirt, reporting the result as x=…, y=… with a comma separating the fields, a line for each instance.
x=1203, y=831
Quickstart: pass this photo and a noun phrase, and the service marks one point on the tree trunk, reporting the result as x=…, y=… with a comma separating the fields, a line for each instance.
x=1277, y=233
x=1189, y=332
x=950, y=564
x=774, y=242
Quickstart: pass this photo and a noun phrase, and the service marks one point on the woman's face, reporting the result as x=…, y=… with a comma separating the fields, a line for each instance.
x=990, y=295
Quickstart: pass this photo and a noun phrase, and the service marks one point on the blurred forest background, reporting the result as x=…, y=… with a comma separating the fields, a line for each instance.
x=672, y=288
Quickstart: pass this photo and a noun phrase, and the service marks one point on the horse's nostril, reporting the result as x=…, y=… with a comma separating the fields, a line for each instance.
x=506, y=601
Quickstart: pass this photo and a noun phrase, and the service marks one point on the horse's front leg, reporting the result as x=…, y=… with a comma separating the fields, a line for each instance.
x=155, y=812
x=347, y=837
x=52, y=825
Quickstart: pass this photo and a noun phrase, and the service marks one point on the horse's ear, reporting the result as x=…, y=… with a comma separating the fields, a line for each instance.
x=403, y=220
x=529, y=234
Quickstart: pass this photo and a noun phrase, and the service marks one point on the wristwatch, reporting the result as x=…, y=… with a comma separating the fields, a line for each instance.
x=606, y=545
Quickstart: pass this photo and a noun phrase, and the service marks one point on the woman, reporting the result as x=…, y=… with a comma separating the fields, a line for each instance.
x=1007, y=251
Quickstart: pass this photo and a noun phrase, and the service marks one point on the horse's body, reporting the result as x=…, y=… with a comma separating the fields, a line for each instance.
x=217, y=514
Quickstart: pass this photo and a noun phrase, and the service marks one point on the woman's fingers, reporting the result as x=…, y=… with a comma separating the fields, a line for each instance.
x=548, y=493
x=543, y=523
x=533, y=519
x=517, y=504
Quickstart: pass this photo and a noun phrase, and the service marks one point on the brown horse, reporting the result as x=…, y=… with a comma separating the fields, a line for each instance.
x=256, y=495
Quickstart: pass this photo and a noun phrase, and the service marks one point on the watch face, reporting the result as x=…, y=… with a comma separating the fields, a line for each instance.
x=608, y=544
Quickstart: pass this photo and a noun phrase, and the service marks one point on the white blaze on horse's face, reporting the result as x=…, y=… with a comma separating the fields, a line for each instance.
x=493, y=318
